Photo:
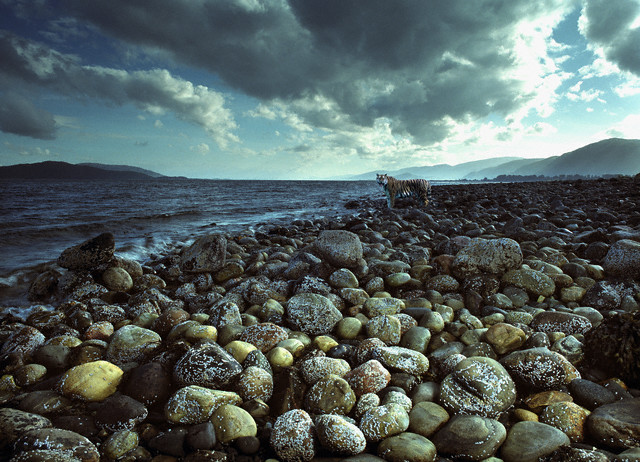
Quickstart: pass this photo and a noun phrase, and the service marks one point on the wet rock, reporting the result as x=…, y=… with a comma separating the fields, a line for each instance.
x=255, y=383
x=330, y=395
x=232, y=422
x=407, y=446
x=616, y=425
x=505, y=338
x=427, y=417
x=120, y=412
x=89, y=254
x=590, y=394
x=207, y=365
x=339, y=248
x=470, y=437
x=568, y=417
x=339, y=436
x=495, y=256
x=529, y=441
x=478, y=386
x=534, y=282
x=312, y=314
x=117, y=279
x=149, y=383
x=292, y=437
x=205, y=255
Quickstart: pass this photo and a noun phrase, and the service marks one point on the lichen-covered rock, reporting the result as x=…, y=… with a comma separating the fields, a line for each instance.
x=623, y=259
x=264, y=335
x=292, y=437
x=66, y=442
x=377, y=306
x=539, y=368
x=330, y=395
x=232, y=422
x=407, y=446
x=205, y=255
x=312, y=314
x=313, y=369
x=478, y=385
x=494, y=256
x=385, y=327
x=402, y=359
x=255, y=383
x=15, y=423
x=568, y=417
x=369, y=377
x=89, y=254
x=381, y=422
x=339, y=436
x=339, y=248
x=534, y=282
x=94, y=381
x=207, y=365
x=195, y=404
x=559, y=321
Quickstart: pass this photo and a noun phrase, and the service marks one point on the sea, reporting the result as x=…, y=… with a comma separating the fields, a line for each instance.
x=41, y=218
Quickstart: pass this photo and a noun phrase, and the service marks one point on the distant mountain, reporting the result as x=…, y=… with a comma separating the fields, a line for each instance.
x=614, y=156
x=123, y=168
x=66, y=171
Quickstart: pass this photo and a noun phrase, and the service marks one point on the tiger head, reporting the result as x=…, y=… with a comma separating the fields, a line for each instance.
x=382, y=179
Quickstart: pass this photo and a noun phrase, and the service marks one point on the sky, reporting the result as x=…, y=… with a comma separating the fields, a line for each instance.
x=313, y=89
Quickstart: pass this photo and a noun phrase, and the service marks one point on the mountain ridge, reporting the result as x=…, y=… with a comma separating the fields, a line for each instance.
x=66, y=171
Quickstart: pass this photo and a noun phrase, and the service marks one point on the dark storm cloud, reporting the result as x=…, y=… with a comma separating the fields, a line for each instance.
x=609, y=25
x=25, y=62
x=20, y=117
x=413, y=62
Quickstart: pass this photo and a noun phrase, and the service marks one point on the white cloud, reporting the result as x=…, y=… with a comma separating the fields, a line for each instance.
x=202, y=148
x=629, y=127
x=158, y=123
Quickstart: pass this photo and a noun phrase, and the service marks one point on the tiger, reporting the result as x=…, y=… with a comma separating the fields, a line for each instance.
x=419, y=188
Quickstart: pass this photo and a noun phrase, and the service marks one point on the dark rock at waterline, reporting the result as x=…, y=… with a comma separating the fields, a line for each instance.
x=90, y=254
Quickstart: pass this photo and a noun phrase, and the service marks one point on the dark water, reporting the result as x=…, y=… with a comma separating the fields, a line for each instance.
x=39, y=219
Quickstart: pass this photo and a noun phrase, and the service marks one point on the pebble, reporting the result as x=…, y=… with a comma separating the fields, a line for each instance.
x=264, y=336
x=386, y=328
x=207, y=365
x=493, y=256
x=117, y=279
x=89, y=254
x=529, y=441
x=470, y=437
x=339, y=436
x=292, y=436
x=313, y=369
x=255, y=383
x=504, y=337
x=407, y=446
x=559, y=321
x=426, y=418
x=205, y=255
x=539, y=368
x=478, y=386
x=340, y=248
x=65, y=442
x=195, y=404
x=232, y=422
x=312, y=314
x=623, y=259
x=132, y=344
x=120, y=443
x=402, y=359
x=330, y=395
x=15, y=423
x=616, y=425
x=384, y=421
x=568, y=417
x=534, y=282
x=94, y=381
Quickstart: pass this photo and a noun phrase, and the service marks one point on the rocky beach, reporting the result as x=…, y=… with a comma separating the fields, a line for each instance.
x=502, y=322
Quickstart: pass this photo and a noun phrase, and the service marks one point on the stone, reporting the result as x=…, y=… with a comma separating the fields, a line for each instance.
x=538, y=401
x=225, y=313
x=426, y=418
x=470, y=437
x=377, y=306
x=255, y=383
x=416, y=338
x=330, y=395
x=120, y=443
x=479, y=386
x=568, y=417
x=313, y=369
x=120, y=412
x=343, y=278
x=529, y=441
x=94, y=381
x=207, y=365
x=194, y=404
x=494, y=256
x=534, y=282
x=369, y=377
x=339, y=248
x=407, y=446
x=589, y=394
x=232, y=422
x=132, y=343
x=201, y=436
x=402, y=359
x=623, y=259
x=117, y=279
x=61, y=441
x=292, y=436
x=89, y=254
x=205, y=255
x=539, y=368
x=559, y=321
x=44, y=402
x=264, y=336
x=24, y=341
x=385, y=327
x=312, y=314
x=149, y=383
x=339, y=436
x=382, y=422
x=170, y=442
x=504, y=337
x=617, y=424
x=602, y=296
x=15, y=423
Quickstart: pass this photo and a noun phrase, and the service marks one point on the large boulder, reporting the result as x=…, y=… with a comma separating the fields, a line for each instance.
x=623, y=259
x=205, y=255
x=339, y=248
x=89, y=254
x=495, y=256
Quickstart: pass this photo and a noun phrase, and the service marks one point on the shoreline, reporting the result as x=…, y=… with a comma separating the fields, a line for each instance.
x=408, y=310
